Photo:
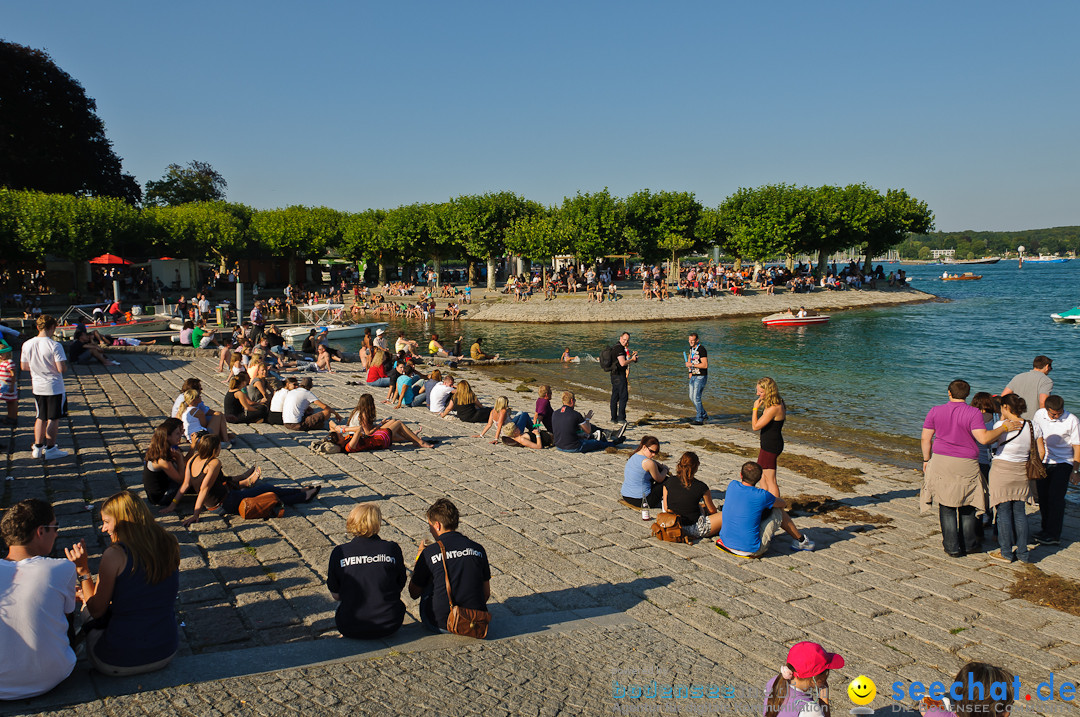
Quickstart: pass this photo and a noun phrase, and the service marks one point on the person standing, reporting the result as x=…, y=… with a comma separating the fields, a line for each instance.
x=39, y=600
x=950, y=441
x=1033, y=386
x=768, y=416
x=620, y=377
x=46, y=362
x=1060, y=444
x=697, y=364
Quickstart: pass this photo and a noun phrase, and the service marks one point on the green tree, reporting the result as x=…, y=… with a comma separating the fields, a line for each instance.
x=297, y=232
x=594, y=224
x=197, y=182
x=901, y=215
x=51, y=139
x=479, y=223
x=766, y=222
x=660, y=223
x=198, y=230
x=359, y=234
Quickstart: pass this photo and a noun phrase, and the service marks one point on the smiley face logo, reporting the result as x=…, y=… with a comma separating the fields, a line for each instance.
x=862, y=690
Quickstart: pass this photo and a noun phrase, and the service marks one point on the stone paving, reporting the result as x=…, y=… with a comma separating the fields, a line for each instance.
x=886, y=597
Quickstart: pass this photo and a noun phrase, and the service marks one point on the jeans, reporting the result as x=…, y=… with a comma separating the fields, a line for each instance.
x=1052, y=490
x=697, y=387
x=380, y=382
x=588, y=445
x=956, y=522
x=523, y=421
x=1012, y=529
x=620, y=394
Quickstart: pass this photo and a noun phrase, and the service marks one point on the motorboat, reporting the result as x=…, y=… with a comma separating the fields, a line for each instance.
x=786, y=318
x=1045, y=259
x=966, y=276
x=1072, y=316
x=328, y=316
x=986, y=260
x=131, y=323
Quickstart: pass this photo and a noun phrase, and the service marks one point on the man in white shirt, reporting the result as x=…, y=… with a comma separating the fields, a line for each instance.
x=440, y=394
x=204, y=307
x=1061, y=439
x=380, y=341
x=39, y=597
x=302, y=411
x=46, y=361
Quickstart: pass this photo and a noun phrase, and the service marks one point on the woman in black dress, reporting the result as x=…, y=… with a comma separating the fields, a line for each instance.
x=768, y=417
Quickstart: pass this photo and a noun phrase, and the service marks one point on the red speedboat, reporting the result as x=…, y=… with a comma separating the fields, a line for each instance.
x=787, y=319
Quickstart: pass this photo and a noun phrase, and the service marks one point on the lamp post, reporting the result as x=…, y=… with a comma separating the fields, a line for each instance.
x=1020, y=251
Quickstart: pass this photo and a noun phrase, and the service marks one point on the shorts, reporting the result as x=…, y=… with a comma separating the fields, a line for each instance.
x=767, y=460
x=701, y=529
x=49, y=408
x=85, y=358
x=377, y=441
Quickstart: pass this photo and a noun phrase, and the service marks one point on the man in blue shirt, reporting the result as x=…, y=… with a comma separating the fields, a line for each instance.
x=751, y=516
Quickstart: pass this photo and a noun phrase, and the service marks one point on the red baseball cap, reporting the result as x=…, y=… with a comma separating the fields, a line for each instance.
x=809, y=659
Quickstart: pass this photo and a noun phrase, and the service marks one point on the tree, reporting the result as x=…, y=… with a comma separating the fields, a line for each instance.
x=765, y=222
x=51, y=139
x=198, y=182
x=197, y=230
x=900, y=215
x=479, y=223
x=297, y=232
x=661, y=222
x=594, y=224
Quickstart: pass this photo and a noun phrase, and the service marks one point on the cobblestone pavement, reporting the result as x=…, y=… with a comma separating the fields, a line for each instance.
x=886, y=597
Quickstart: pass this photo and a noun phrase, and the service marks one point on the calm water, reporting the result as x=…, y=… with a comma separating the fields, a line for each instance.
x=862, y=382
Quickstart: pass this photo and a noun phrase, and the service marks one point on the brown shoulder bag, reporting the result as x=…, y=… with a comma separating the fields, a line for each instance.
x=463, y=620
x=666, y=527
x=1035, y=468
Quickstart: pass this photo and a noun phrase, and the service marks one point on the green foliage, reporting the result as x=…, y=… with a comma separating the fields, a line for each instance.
x=593, y=224
x=1055, y=240
x=360, y=233
x=35, y=224
x=198, y=182
x=52, y=139
x=296, y=231
x=199, y=230
x=537, y=237
x=665, y=222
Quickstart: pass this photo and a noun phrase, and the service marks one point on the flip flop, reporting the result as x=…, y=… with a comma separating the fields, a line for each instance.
x=728, y=551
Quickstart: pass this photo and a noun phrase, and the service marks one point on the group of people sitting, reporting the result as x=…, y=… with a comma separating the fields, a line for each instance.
x=744, y=525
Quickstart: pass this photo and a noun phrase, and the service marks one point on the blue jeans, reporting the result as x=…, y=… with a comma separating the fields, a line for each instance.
x=956, y=524
x=588, y=445
x=1012, y=529
x=380, y=382
x=523, y=421
x=697, y=387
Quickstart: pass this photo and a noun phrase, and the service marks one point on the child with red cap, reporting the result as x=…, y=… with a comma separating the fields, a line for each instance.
x=802, y=685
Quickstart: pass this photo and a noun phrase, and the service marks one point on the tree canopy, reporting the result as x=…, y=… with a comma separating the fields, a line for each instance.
x=51, y=139
x=197, y=182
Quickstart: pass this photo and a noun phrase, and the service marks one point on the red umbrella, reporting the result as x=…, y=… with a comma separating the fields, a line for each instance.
x=109, y=259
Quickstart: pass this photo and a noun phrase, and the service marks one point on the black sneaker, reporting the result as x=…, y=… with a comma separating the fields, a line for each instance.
x=696, y=422
x=1047, y=541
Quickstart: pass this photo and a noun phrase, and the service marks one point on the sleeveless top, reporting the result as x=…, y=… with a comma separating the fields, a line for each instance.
x=637, y=483
x=142, y=623
x=232, y=405
x=772, y=440
x=218, y=491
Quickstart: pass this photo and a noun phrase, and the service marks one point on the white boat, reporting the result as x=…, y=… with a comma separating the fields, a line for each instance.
x=1072, y=316
x=83, y=314
x=326, y=315
x=1045, y=259
x=787, y=319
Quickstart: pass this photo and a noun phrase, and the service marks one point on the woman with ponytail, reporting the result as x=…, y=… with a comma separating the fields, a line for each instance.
x=690, y=500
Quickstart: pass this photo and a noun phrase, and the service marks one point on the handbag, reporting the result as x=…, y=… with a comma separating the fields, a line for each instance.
x=265, y=505
x=1035, y=468
x=462, y=620
x=666, y=527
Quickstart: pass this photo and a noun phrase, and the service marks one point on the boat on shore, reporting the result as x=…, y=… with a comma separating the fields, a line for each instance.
x=328, y=316
x=966, y=276
x=787, y=318
x=83, y=314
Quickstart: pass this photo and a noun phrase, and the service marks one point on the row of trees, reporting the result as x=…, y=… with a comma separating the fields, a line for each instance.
x=762, y=224
x=975, y=245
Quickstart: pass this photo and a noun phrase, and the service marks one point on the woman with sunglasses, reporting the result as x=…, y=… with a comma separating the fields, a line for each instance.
x=643, y=476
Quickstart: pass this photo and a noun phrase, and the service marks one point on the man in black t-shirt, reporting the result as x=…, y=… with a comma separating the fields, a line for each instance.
x=697, y=364
x=466, y=564
x=565, y=425
x=620, y=377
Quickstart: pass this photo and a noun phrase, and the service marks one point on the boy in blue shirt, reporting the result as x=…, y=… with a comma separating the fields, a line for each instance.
x=751, y=516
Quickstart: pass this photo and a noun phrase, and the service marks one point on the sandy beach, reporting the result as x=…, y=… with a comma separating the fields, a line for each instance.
x=490, y=306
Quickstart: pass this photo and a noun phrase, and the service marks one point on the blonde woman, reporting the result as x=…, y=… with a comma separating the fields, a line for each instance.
x=366, y=576
x=138, y=580
x=768, y=417
x=466, y=405
x=500, y=418
x=198, y=419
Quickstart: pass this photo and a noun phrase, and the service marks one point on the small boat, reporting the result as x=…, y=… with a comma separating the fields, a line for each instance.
x=986, y=260
x=1045, y=259
x=325, y=315
x=83, y=314
x=966, y=276
x=785, y=318
x=1072, y=316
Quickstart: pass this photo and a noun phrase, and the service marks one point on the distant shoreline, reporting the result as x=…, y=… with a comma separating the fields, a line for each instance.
x=575, y=308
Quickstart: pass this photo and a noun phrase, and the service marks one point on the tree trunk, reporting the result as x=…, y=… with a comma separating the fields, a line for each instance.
x=438, y=271
x=526, y=266
x=382, y=271
x=292, y=271
x=790, y=262
x=737, y=266
x=472, y=272
x=822, y=262
x=869, y=262
x=491, y=285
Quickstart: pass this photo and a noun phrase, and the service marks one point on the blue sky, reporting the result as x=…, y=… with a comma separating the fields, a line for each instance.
x=971, y=106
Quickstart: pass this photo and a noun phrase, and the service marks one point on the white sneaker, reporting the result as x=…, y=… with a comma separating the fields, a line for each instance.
x=112, y=363
x=54, y=452
x=37, y=451
x=804, y=544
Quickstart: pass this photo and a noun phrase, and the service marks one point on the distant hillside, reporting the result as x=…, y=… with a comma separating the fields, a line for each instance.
x=973, y=245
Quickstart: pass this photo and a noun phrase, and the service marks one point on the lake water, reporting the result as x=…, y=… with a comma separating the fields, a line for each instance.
x=863, y=382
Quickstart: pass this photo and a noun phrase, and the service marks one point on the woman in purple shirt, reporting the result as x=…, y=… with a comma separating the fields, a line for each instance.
x=951, y=436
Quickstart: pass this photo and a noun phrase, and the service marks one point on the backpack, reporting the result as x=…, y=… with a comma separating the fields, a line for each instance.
x=265, y=505
x=607, y=358
x=325, y=445
x=667, y=528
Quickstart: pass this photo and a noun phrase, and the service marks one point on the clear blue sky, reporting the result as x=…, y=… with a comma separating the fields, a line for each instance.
x=971, y=106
